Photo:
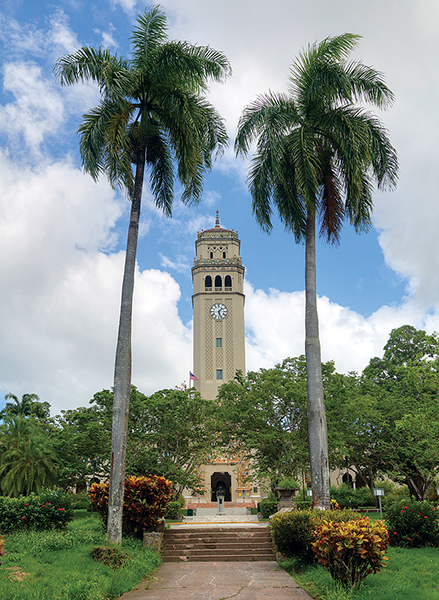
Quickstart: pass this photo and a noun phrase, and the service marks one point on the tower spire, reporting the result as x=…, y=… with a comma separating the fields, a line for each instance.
x=217, y=223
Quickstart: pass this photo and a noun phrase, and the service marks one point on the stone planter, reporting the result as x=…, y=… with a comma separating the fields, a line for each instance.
x=286, y=497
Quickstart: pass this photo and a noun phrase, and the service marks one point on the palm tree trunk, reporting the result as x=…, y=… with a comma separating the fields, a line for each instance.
x=317, y=429
x=122, y=369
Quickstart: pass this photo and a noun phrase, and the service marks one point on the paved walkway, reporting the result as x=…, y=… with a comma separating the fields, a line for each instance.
x=219, y=581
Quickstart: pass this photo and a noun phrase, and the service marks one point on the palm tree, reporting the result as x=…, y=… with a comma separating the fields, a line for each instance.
x=19, y=407
x=318, y=152
x=153, y=113
x=28, y=461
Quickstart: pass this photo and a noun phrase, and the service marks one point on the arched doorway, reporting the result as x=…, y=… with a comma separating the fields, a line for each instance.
x=225, y=480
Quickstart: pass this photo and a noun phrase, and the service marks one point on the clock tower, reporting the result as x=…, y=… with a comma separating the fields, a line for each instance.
x=218, y=304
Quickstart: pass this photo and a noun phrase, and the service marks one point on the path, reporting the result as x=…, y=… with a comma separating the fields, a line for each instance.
x=259, y=580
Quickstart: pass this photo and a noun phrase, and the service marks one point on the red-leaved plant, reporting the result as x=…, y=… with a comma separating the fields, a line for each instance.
x=145, y=502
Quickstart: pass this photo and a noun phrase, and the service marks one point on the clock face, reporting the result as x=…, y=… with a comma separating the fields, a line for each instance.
x=218, y=311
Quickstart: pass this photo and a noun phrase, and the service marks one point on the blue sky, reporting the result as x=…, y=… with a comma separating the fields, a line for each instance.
x=62, y=236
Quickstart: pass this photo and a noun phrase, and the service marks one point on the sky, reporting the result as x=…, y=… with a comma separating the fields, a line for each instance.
x=62, y=236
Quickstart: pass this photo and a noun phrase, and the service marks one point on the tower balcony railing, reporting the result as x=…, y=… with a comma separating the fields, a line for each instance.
x=236, y=260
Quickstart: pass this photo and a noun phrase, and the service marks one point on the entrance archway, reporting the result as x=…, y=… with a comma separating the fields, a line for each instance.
x=225, y=480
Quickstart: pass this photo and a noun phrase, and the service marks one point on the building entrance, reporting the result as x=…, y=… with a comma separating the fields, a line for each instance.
x=221, y=480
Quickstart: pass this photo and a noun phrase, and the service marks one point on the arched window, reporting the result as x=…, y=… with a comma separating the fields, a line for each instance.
x=224, y=255
x=218, y=283
x=228, y=283
x=211, y=255
x=208, y=282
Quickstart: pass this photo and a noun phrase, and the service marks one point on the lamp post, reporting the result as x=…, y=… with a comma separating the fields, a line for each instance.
x=346, y=458
x=379, y=492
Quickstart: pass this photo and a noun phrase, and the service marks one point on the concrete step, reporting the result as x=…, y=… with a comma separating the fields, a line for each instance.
x=220, y=558
x=228, y=518
x=217, y=544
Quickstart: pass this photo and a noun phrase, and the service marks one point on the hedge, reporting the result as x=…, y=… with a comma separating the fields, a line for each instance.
x=52, y=509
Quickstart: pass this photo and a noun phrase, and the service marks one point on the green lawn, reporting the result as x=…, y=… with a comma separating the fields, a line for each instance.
x=410, y=575
x=57, y=564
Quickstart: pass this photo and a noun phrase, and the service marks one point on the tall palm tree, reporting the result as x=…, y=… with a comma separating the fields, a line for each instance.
x=317, y=153
x=153, y=113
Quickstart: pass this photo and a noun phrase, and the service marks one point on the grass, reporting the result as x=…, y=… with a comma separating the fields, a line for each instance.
x=57, y=564
x=411, y=573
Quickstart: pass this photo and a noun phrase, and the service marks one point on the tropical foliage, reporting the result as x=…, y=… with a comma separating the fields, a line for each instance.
x=317, y=153
x=351, y=551
x=28, y=461
x=51, y=509
x=413, y=524
x=145, y=502
x=292, y=532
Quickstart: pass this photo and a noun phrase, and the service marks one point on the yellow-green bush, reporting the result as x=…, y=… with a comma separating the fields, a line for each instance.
x=292, y=532
x=351, y=550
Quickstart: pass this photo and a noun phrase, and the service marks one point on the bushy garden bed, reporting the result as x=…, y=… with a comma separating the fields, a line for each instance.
x=52, y=509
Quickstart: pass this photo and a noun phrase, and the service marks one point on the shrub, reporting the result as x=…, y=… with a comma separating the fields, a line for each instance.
x=358, y=497
x=81, y=500
x=268, y=507
x=288, y=483
x=303, y=504
x=413, y=524
x=173, y=512
x=111, y=556
x=51, y=509
x=292, y=532
x=351, y=550
x=145, y=502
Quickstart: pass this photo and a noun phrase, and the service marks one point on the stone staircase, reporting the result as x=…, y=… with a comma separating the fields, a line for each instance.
x=217, y=544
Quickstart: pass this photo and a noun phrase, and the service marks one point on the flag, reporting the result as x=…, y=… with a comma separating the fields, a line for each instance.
x=192, y=377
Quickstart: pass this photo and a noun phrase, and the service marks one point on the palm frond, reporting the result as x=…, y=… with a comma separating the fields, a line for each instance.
x=149, y=34
x=100, y=66
x=267, y=118
x=368, y=85
x=162, y=175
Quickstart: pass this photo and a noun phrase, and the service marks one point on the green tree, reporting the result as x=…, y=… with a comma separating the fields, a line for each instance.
x=317, y=153
x=170, y=434
x=407, y=378
x=153, y=113
x=28, y=460
x=358, y=426
x=264, y=416
x=81, y=436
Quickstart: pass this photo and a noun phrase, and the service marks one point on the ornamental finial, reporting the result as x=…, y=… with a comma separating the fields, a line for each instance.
x=217, y=223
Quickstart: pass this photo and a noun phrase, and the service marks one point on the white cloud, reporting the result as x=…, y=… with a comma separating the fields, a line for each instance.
x=59, y=309
x=37, y=110
x=275, y=329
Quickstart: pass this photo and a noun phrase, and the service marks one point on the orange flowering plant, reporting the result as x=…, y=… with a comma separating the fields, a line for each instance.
x=145, y=502
x=2, y=552
x=351, y=550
